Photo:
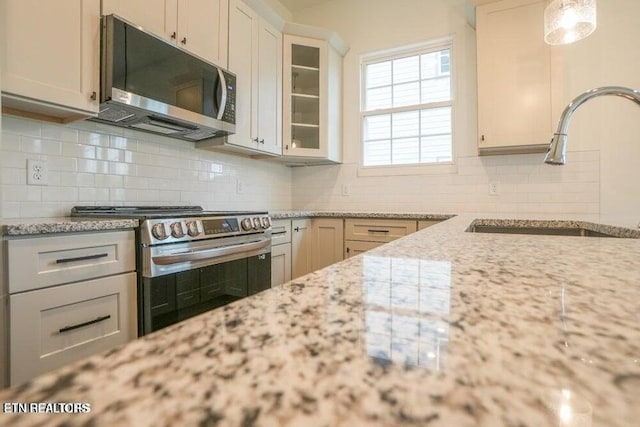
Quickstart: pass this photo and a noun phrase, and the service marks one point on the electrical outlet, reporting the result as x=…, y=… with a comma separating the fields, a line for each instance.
x=346, y=190
x=494, y=188
x=239, y=187
x=37, y=172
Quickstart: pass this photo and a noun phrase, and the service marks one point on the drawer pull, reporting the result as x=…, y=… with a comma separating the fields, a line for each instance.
x=378, y=231
x=80, y=325
x=80, y=258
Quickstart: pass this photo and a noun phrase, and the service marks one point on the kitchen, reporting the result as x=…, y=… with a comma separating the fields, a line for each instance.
x=95, y=164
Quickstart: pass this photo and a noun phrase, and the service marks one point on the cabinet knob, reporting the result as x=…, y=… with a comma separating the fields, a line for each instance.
x=255, y=139
x=296, y=229
x=173, y=35
x=348, y=250
x=482, y=138
x=94, y=96
x=184, y=40
x=262, y=141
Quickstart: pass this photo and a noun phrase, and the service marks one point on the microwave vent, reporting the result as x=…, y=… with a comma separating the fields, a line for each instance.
x=113, y=114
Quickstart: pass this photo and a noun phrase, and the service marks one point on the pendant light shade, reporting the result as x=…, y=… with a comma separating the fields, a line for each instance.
x=567, y=21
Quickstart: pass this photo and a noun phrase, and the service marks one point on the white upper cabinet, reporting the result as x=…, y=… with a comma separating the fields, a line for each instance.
x=200, y=26
x=312, y=121
x=51, y=58
x=255, y=57
x=514, y=77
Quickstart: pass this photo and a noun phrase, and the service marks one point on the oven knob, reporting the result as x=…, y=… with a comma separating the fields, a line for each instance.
x=266, y=223
x=192, y=228
x=159, y=232
x=176, y=230
x=256, y=223
x=246, y=224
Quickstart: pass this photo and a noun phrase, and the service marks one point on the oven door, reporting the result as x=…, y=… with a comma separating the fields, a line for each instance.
x=193, y=278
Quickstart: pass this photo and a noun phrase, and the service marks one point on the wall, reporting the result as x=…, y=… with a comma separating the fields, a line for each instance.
x=599, y=175
x=90, y=163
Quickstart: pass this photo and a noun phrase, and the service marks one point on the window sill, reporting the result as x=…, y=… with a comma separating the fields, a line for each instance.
x=400, y=170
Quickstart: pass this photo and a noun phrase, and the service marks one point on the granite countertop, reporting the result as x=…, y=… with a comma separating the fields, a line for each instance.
x=358, y=214
x=440, y=328
x=36, y=226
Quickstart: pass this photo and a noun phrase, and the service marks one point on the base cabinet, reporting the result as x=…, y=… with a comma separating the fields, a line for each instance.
x=328, y=241
x=70, y=296
x=280, y=264
x=301, y=248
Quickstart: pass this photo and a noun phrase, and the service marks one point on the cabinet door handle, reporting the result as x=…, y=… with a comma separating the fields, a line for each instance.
x=94, y=96
x=348, y=250
x=255, y=140
x=262, y=141
x=80, y=325
x=184, y=40
x=378, y=231
x=173, y=35
x=80, y=258
x=299, y=228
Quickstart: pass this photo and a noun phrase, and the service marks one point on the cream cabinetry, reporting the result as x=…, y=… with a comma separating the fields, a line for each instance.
x=426, y=223
x=70, y=296
x=255, y=57
x=364, y=234
x=199, y=26
x=514, y=77
x=327, y=235
x=312, y=101
x=280, y=252
x=51, y=58
x=301, y=247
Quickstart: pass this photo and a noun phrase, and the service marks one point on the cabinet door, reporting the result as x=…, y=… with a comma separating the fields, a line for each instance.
x=243, y=62
x=354, y=247
x=269, y=88
x=328, y=241
x=514, y=77
x=155, y=16
x=305, y=97
x=301, y=262
x=52, y=53
x=202, y=28
x=280, y=264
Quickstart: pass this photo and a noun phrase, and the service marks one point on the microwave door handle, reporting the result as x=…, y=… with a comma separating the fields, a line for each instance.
x=222, y=103
x=210, y=253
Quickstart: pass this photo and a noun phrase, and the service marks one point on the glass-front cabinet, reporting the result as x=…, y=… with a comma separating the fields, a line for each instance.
x=312, y=128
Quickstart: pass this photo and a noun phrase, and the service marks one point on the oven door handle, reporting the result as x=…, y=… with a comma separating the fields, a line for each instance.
x=210, y=253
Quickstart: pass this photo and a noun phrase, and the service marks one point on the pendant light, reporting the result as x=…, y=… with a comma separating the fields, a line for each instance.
x=567, y=21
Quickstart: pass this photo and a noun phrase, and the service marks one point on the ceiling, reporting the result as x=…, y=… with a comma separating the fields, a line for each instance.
x=296, y=5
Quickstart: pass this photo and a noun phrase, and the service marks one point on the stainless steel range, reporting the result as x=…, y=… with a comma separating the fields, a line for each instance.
x=190, y=261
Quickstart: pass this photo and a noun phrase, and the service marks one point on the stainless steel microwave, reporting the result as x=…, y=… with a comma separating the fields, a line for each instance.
x=151, y=85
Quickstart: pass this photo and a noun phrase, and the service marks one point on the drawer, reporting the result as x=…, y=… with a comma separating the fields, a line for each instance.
x=355, y=247
x=53, y=327
x=281, y=229
x=425, y=223
x=39, y=262
x=187, y=299
x=377, y=230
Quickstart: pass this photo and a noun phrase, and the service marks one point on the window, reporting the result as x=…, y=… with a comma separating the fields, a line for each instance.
x=407, y=105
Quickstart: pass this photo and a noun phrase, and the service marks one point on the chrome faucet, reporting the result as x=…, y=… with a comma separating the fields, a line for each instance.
x=558, y=147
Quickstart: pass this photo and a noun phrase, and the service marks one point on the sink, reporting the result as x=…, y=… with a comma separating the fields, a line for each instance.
x=550, y=228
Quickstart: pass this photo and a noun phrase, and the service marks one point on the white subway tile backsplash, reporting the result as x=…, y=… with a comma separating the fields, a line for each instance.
x=91, y=163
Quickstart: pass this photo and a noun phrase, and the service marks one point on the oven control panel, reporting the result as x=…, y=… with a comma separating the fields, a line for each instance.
x=156, y=231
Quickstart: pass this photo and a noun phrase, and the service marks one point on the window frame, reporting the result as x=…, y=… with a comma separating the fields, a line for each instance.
x=430, y=46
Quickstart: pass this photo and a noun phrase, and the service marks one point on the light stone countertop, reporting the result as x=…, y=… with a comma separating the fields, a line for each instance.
x=37, y=226
x=440, y=328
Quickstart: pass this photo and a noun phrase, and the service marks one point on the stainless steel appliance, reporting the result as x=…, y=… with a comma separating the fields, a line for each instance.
x=151, y=85
x=190, y=261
